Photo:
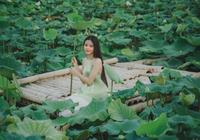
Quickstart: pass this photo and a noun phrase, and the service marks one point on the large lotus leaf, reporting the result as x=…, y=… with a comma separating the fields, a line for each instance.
x=141, y=88
x=43, y=55
x=96, y=110
x=170, y=74
x=62, y=51
x=9, y=62
x=5, y=84
x=179, y=48
x=115, y=128
x=166, y=27
x=167, y=137
x=156, y=110
x=4, y=23
x=112, y=74
x=127, y=52
x=196, y=20
x=124, y=94
x=32, y=111
x=11, y=136
x=182, y=119
x=50, y=34
x=138, y=33
x=3, y=104
x=97, y=21
x=119, y=38
x=194, y=40
x=77, y=22
x=156, y=88
x=181, y=28
x=7, y=71
x=53, y=65
x=24, y=23
x=52, y=106
x=119, y=111
x=29, y=127
x=152, y=47
x=154, y=128
x=170, y=63
x=188, y=64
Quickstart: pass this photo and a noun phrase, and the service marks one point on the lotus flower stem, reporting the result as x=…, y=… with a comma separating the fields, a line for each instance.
x=71, y=83
x=111, y=86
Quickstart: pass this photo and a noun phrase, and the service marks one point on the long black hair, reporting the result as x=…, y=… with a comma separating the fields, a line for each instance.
x=97, y=54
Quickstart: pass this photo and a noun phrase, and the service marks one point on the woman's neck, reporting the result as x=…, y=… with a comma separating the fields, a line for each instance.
x=90, y=57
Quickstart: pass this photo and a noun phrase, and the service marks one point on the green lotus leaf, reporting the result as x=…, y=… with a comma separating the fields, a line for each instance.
x=96, y=110
x=181, y=28
x=154, y=128
x=187, y=120
x=127, y=52
x=166, y=27
x=29, y=127
x=77, y=22
x=10, y=64
x=5, y=84
x=3, y=104
x=4, y=22
x=24, y=23
x=118, y=38
x=154, y=46
x=194, y=40
x=179, y=48
x=119, y=111
x=50, y=34
x=52, y=106
x=115, y=128
x=112, y=74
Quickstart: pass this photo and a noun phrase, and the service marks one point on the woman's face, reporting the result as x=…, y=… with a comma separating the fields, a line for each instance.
x=88, y=47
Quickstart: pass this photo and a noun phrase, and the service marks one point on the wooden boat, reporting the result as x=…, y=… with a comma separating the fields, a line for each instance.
x=56, y=85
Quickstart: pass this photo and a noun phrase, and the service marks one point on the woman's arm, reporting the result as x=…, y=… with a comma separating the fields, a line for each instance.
x=97, y=67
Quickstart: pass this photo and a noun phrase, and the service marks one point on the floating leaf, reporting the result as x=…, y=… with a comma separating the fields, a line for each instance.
x=112, y=74
x=179, y=48
x=29, y=127
x=166, y=27
x=24, y=23
x=3, y=105
x=154, y=128
x=50, y=34
x=181, y=28
x=127, y=52
x=194, y=40
x=52, y=106
x=152, y=46
x=118, y=38
x=182, y=119
x=77, y=22
x=119, y=111
x=4, y=22
x=115, y=128
x=96, y=110
x=5, y=84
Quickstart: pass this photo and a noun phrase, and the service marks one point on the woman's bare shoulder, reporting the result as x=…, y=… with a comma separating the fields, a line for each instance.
x=98, y=61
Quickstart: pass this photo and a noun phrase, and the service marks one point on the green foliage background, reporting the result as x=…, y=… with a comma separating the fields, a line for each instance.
x=40, y=35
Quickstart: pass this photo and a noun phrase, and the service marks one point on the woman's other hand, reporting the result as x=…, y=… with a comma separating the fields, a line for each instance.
x=74, y=61
x=74, y=71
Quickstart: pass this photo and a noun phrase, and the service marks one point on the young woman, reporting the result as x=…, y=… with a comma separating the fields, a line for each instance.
x=91, y=74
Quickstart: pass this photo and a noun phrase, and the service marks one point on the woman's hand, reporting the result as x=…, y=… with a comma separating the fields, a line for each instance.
x=74, y=71
x=74, y=61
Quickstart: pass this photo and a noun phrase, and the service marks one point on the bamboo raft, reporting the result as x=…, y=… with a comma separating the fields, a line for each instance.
x=56, y=85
